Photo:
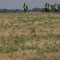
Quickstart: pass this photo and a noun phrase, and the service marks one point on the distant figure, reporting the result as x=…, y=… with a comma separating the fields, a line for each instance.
x=46, y=7
x=25, y=7
x=49, y=8
x=56, y=7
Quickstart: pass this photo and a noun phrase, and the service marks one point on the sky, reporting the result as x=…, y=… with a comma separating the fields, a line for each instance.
x=18, y=4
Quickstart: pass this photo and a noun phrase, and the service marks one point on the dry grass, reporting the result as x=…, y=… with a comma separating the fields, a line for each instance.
x=30, y=36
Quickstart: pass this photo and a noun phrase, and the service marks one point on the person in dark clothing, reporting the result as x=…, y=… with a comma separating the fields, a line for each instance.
x=46, y=7
x=25, y=7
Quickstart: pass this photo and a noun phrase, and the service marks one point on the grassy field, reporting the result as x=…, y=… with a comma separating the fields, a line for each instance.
x=30, y=36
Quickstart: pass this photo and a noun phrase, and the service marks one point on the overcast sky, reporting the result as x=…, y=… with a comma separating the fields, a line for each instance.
x=17, y=4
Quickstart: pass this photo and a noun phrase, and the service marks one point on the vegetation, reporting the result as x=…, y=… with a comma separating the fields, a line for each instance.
x=30, y=36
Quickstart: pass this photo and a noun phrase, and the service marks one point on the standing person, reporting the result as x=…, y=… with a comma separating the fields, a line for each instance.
x=24, y=6
x=56, y=7
x=49, y=8
x=46, y=7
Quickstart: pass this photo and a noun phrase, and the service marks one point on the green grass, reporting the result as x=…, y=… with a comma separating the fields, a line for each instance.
x=10, y=49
